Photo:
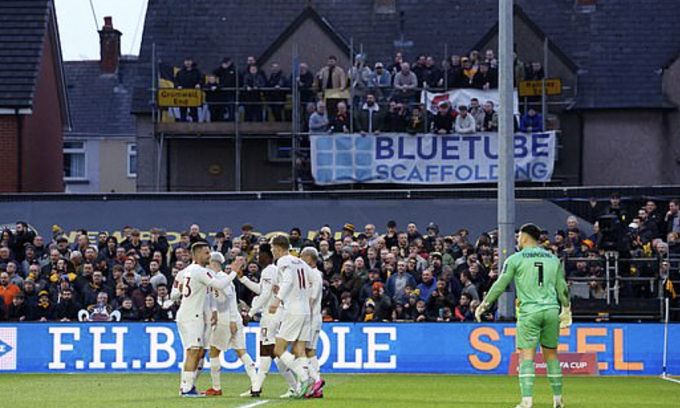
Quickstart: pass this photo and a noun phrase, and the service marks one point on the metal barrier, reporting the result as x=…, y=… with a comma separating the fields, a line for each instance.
x=611, y=279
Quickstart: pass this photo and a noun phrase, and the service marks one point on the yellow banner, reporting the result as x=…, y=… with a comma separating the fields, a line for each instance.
x=535, y=88
x=183, y=98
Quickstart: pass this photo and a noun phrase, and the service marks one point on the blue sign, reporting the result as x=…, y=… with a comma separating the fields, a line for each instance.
x=446, y=348
x=427, y=159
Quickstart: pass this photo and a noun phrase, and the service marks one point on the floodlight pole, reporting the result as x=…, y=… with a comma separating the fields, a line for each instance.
x=506, y=161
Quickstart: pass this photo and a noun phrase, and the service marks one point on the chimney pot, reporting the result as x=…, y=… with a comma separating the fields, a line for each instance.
x=109, y=42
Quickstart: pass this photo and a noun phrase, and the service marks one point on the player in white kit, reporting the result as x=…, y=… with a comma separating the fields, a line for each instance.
x=269, y=324
x=192, y=285
x=228, y=331
x=294, y=299
x=310, y=255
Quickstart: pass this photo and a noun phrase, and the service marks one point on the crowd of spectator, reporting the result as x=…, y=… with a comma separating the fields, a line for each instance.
x=263, y=95
x=403, y=274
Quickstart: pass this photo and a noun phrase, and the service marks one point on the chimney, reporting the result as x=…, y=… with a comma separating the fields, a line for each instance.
x=109, y=42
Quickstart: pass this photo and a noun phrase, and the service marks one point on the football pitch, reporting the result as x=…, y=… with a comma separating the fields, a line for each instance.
x=346, y=391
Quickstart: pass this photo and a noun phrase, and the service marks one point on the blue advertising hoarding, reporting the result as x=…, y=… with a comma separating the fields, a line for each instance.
x=622, y=349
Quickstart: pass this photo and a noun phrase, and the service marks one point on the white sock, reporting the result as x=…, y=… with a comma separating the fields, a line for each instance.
x=265, y=365
x=295, y=365
x=528, y=401
x=314, y=370
x=215, y=371
x=557, y=398
x=304, y=364
x=283, y=369
x=199, y=369
x=187, y=380
x=249, y=366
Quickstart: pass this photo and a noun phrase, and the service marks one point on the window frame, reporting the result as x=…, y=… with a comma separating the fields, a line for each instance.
x=76, y=150
x=131, y=150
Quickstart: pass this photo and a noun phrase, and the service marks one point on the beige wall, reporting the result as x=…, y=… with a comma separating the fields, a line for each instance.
x=628, y=147
x=113, y=167
x=314, y=47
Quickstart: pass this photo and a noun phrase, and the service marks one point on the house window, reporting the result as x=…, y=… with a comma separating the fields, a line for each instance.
x=74, y=161
x=132, y=160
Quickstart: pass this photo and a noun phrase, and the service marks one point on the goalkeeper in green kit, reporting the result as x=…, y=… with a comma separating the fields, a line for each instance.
x=541, y=289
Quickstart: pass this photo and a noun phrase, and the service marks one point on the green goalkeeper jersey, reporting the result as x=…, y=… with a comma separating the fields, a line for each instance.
x=539, y=280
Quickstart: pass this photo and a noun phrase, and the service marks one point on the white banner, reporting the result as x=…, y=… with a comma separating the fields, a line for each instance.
x=427, y=159
x=463, y=96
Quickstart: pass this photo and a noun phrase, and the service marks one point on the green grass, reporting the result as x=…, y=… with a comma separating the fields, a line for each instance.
x=342, y=391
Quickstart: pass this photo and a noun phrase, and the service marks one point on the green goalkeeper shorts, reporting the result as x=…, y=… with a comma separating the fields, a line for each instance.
x=539, y=328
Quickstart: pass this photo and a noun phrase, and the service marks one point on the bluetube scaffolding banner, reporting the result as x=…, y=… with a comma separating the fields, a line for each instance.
x=446, y=348
x=427, y=159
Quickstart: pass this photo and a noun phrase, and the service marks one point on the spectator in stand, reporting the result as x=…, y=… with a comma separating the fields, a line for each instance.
x=67, y=306
x=416, y=123
x=534, y=71
x=490, y=58
x=369, y=120
x=253, y=81
x=349, y=311
x=167, y=309
x=279, y=86
x=672, y=218
x=468, y=72
x=396, y=117
x=418, y=68
x=318, y=121
x=46, y=310
x=468, y=285
x=305, y=84
x=463, y=312
x=532, y=121
x=215, y=99
x=421, y=312
x=227, y=78
x=428, y=284
x=7, y=289
x=455, y=77
x=443, y=121
x=359, y=78
x=477, y=111
x=128, y=313
x=475, y=60
x=31, y=292
x=22, y=237
x=341, y=122
x=150, y=312
x=396, y=64
x=380, y=81
x=484, y=79
x=14, y=278
x=465, y=123
x=332, y=77
x=18, y=310
x=396, y=284
x=157, y=277
x=405, y=84
x=519, y=71
x=432, y=75
x=189, y=77
x=383, y=303
x=488, y=121
x=143, y=290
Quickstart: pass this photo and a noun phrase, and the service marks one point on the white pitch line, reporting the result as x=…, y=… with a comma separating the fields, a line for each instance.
x=671, y=379
x=254, y=404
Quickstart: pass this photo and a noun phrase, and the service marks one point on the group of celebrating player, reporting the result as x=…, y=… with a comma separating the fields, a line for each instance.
x=289, y=299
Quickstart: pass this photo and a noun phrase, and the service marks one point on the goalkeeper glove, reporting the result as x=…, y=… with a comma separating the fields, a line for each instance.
x=565, y=317
x=480, y=311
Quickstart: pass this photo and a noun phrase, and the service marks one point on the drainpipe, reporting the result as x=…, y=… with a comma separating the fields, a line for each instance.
x=19, y=149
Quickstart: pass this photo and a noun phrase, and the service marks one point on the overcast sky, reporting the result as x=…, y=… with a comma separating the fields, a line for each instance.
x=78, y=33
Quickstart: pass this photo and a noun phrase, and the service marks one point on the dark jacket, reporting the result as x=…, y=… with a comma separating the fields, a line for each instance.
x=48, y=312
x=369, y=121
x=68, y=310
x=395, y=121
x=340, y=123
x=444, y=122
x=480, y=79
x=188, y=79
x=14, y=313
x=226, y=76
x=128, y=315
x=349, y=315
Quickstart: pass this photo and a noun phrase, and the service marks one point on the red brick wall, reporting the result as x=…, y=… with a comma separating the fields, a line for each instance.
x=8, y=154
x=43, y=162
